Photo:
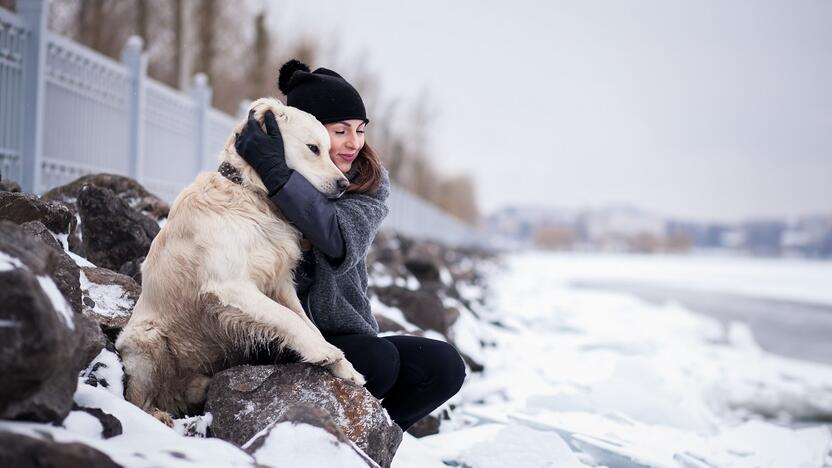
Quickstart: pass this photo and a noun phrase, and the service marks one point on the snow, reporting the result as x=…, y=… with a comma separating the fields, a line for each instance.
x=63, y=239
x=589, y=377
x=110, y=299
x=106, y=369
x=79, y=260
x=83, y=423
x=302, y=445
x=193, y=426
x=7, y=262
x=59, y=303
x=144, y=442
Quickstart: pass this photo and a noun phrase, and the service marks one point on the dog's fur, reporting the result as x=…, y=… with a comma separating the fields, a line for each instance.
x=217, y=281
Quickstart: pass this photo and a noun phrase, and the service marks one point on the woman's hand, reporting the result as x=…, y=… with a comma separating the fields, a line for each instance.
x=264, y=151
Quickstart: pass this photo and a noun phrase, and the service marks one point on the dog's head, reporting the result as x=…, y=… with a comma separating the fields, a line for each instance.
x=306, y=144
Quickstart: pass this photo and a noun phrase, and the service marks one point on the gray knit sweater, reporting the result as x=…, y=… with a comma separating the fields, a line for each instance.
x=337, y=298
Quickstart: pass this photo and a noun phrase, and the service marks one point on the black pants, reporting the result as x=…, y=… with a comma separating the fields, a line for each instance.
x=413, y=375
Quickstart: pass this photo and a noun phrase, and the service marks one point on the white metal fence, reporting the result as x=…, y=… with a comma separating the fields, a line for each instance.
x=67, y=111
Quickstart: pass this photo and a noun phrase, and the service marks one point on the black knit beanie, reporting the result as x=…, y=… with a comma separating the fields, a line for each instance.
x=323, y=93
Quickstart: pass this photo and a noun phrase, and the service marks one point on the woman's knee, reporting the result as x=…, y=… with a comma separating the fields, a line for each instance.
x=376, y=359
x=454, y=368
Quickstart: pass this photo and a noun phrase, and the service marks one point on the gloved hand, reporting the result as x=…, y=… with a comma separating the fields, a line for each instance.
x=264, y=151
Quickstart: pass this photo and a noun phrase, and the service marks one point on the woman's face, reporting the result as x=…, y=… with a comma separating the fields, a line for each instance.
x=346, y=140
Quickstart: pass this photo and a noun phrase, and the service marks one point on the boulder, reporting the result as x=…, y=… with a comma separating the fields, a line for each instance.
x=422, y=307
x=21, y=207
x=7, y=185
x=386, y=325
x=268, y=446
x=426, y=426
x=39, y=230
x=17, y=450
x=112, y=232
x=132, y=192
x=245, y=399
x=39, y=360
x=133, y=269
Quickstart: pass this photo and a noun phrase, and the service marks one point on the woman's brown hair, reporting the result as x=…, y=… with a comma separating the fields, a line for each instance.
x=368, y=172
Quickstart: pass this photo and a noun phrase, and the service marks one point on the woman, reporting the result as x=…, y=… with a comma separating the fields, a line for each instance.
x=412, y=375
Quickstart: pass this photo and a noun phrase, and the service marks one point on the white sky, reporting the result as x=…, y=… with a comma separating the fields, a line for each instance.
x=710, y=110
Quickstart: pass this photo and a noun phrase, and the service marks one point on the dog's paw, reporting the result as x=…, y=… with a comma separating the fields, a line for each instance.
x=343, y=369
x=163, y=416
x=324, y=355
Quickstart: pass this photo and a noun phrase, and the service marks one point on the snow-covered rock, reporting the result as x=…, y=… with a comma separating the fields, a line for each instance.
x=108, y=297
x=245, y=399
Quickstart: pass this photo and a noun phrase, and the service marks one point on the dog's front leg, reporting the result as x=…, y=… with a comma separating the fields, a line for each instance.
x=254, y=314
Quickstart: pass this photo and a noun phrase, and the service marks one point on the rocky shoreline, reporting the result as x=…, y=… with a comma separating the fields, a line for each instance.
x=70, y=274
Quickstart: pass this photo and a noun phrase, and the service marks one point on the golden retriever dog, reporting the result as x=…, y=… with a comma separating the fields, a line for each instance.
x=217, y=281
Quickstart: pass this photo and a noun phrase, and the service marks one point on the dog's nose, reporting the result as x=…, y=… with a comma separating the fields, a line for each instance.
x=343, y=184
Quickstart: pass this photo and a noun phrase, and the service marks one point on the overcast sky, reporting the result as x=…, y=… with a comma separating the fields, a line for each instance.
x=709, y=110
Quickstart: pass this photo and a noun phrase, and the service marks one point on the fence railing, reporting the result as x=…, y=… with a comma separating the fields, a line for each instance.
x=67, y=111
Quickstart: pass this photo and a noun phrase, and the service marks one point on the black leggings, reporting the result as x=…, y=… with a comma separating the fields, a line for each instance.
x=413, y=375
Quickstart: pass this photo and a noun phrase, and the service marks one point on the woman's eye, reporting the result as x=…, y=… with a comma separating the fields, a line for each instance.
x=360, y=131
x=314, y=149
x=339, y=132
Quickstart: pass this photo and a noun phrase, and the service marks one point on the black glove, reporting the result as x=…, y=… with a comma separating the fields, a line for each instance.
x=264, y=151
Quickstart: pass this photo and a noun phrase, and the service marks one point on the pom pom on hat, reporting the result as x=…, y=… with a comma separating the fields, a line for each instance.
x=287, y=71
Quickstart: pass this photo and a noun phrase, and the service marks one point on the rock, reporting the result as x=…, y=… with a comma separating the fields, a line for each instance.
x=21, y=207
x=39, y=361
x=424, y=261
x=426, y=426
x=422, y=307
x=91, y=340
x=7, y=185
x=388, y=325
x=112, y=232
x=108, y=297
x=133, y=269
x=132, y=192
x=58, y=264
x=300, y=414
x=245, y=399
x=17, y=450
x=39, y=230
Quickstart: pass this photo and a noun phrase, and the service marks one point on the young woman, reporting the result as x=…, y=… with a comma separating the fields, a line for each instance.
x=412, y=375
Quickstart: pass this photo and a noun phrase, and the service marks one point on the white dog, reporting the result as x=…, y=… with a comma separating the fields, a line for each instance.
x=217, y=280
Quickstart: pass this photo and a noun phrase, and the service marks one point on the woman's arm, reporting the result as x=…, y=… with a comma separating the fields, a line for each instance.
x=312, y=213
x=342, y=230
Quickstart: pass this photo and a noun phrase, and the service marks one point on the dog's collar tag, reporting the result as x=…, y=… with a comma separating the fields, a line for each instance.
x=230, y=172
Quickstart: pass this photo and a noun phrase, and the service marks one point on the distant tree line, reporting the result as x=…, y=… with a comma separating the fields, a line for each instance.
x=240, y=54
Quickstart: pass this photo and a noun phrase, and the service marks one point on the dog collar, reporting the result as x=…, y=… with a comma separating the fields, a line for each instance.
x=230, y=172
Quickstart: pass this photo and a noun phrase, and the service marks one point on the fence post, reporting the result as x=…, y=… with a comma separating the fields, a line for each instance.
x=201, y=94
x=33, y=13
x=136, y=62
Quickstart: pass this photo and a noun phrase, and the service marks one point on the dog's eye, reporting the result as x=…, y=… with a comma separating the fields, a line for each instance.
x=314, y=149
